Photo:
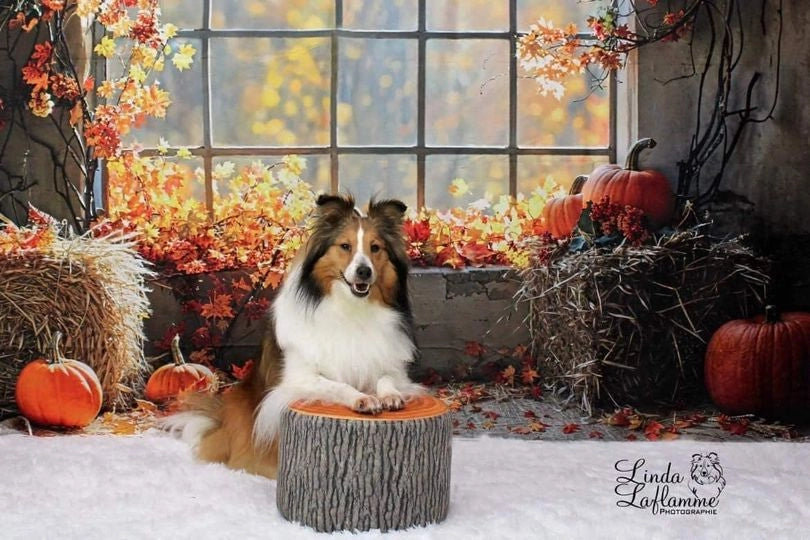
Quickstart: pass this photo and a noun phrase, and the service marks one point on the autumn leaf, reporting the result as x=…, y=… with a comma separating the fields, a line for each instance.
x=570, y=428
x=488, y=424
x=652, y=431
x=492, y=415
x=219, y=307
x=528, y=375
x=507, y=376
x=596, y=435
x=240, y=372
x=537, y=426
x=458, y=187
x=529, y=414
x=182, y=58
x=474, y=349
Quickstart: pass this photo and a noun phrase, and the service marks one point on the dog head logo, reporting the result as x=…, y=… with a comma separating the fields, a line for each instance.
x=706, y=475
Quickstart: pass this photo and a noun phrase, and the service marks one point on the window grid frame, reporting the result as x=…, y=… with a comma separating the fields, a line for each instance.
x=208, y=151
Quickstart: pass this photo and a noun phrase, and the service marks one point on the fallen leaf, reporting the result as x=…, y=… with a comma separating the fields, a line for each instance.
x=570, y=428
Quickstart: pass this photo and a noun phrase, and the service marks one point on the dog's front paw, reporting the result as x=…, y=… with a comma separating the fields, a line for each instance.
x=367, y=405
x=392, y=402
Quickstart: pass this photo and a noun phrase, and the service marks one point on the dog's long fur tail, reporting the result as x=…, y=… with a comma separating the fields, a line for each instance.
x=200, y=414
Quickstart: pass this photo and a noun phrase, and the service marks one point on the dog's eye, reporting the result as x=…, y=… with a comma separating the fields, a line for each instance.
x=346, y=247
x=375, y=248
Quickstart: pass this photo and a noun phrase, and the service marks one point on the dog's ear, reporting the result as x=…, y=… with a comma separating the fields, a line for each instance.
x=696, y=457
x=390, y=210
x=331, y=209
x=713, y=457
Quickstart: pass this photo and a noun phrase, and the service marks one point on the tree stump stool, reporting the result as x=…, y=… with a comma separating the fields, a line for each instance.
x=340, y=470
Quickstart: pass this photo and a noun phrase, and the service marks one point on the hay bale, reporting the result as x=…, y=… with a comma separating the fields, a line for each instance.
x=630, y=325
x=93, y=291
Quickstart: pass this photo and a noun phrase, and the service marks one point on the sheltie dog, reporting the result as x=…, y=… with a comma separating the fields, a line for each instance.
x=339, y=331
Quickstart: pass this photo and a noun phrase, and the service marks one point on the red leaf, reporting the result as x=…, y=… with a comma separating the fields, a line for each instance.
x=492, y=415
x=596, y=435
x=570, y=428
x=474, y=349
x=652, y=431
x=240, y=372
x=477, y=254
x=530, y=414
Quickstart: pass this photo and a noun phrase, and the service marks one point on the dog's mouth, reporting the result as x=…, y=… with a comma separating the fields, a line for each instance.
x=359, y=288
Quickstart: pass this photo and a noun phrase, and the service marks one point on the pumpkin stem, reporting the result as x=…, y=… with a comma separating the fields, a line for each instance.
x=55, y=355
x=177, y=354
x=632, y=157
x=576, y=187
x=771, y=314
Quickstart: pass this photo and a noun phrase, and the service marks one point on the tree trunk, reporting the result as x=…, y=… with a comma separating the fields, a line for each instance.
x=341, y=470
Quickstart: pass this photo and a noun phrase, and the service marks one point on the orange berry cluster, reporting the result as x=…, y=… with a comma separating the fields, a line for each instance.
x=625, y=219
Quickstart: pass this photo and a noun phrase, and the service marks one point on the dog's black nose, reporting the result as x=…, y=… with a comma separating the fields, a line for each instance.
x=363, y=272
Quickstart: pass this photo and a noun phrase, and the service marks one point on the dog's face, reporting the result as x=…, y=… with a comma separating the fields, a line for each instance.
x=706, y=468
x=363, y=255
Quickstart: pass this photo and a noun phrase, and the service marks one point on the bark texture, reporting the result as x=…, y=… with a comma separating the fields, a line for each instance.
x=360, y=474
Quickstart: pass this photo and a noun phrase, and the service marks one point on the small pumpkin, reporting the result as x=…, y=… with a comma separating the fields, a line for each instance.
x=646, y=189
x=169, y=380
x=761, y=365
x=56, y=391
x=562, y=213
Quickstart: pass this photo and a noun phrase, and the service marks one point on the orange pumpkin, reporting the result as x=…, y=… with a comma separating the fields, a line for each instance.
x=761, y=365
x=561, y=214
x=648, y=189
x=169, y=380
x=57, y=391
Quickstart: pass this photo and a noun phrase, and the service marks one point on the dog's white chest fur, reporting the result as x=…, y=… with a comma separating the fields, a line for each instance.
x=343, y=338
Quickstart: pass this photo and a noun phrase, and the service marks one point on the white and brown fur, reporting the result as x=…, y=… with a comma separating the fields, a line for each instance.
x=339, y=331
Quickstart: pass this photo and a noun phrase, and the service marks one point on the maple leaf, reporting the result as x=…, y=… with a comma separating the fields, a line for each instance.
x=596, y=435
x=652, y=431
x=474, y=349
x=528, y=375
x=182, y=58
x=507, y=376
x=240, y=372
x=492, y=415
x=458, y=187
x=570, y=428
x=529, y=414
x=631, y=437
x=477, y=254
x=537, y=426
x=488, y=424
x=219, y=307
x=521, y=430
x=105, y=48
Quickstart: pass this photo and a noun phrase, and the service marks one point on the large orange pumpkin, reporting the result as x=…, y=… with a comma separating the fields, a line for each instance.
x=562, y=213
x=169, y=380
x=57, y=391
x=761, y=365
x=648, y=189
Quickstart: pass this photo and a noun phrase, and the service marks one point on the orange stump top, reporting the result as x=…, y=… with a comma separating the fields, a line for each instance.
x=423, y=406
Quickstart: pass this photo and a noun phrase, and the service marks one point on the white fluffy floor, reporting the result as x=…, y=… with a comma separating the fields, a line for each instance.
x=150, y=487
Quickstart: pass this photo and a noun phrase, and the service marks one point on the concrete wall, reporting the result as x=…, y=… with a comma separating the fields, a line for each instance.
x=767, y=179
x=771, y=164
x=451, y=309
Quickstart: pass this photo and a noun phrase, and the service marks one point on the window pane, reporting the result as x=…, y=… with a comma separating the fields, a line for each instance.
x=578, y=119
x=316, y=173
x=486, y=176
x=534, y=171
x=185, y=14
x=272, y=14
x=384, y=177
x=377, y=92
x=469, y=15
x=183, y=125
x=380, y=14
x=270, y=91
x=559, y=12
x=467, y=92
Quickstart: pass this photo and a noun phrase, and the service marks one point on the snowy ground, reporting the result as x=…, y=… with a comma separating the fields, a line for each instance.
x=150, y=487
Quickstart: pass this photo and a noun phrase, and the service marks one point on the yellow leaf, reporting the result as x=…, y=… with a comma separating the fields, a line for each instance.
x=105, y=48
x=458, y=187
x=182, y=59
